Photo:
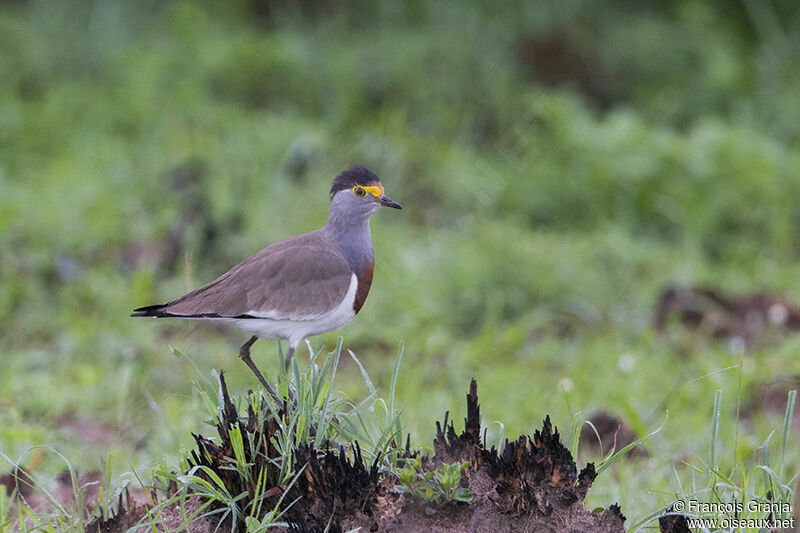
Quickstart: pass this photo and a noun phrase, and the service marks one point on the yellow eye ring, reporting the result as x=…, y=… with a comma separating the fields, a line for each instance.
x=361, y=191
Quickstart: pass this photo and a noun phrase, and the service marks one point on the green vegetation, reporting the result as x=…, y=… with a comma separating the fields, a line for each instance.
x=262, y=463
x=560, y=163
x=264, y=459
x=435, y=487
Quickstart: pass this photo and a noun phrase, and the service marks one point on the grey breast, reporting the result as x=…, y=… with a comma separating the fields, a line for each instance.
x=303, y=277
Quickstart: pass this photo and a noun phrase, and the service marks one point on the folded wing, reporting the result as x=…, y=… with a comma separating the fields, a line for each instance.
x=302, y=278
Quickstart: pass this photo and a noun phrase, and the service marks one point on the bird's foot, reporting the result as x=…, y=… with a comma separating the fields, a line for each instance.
x=244, y=355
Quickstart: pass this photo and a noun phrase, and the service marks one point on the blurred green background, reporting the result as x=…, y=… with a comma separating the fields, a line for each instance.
x=559, y=162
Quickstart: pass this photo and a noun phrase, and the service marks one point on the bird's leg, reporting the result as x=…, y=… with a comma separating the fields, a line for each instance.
x=286, y=363
x=244, y=354
x=289, y=356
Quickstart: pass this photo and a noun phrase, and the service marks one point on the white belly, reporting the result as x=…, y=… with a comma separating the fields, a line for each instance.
x=297, y=330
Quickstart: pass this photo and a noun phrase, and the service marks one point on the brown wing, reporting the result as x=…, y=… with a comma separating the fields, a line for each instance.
x=300, y=278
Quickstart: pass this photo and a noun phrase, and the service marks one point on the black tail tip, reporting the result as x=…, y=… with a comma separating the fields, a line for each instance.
x=149, y=310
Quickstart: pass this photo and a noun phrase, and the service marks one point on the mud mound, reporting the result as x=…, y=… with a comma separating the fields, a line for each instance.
x=533, y=485
x=335, y=486
x=740, y=319
x=21, y=485
x=771, y=397
x=673, y=523
x=609, y=432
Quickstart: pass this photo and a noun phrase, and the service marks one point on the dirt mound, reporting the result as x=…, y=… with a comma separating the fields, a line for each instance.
x=744, y=319
x=771, y=397
x=22, y=486
x=533, y=485
x=673, y=523
x=609, y=432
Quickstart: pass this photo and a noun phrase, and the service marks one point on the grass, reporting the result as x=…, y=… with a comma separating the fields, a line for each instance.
x=318, y=415
x=761, y=488
x=375, y=422
x=533, y=208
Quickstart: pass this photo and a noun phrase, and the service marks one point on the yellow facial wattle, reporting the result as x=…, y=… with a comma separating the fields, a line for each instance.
x=362, y=190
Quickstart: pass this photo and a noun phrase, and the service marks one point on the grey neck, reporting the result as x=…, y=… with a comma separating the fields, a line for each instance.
x=353, y=239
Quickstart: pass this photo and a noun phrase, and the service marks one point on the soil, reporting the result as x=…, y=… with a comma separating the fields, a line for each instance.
x=85, y=430
x=771, y=397
x=22, y=485
x=170, y=519
x=673, y=523
x=744, y=319
x=613, y=432
x=533, y=485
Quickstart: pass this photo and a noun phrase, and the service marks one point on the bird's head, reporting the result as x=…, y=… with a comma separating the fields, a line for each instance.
x=358, y=193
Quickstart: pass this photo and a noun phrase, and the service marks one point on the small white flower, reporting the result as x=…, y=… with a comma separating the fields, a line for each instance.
x=626, y=362
x=777, y=313
x=565, y=385
x=736, y=345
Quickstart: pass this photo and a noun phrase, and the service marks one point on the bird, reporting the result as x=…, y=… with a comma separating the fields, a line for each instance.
x=300, y=286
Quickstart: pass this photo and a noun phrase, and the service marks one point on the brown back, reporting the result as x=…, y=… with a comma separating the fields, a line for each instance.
x=302, y=277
